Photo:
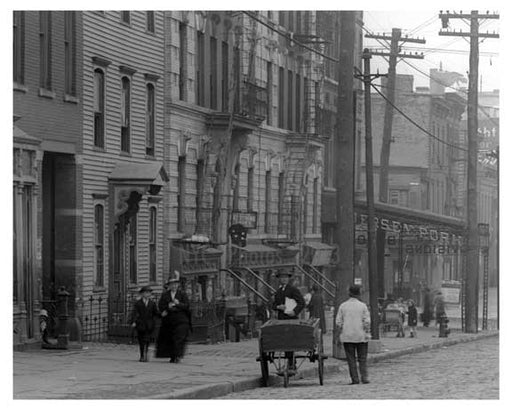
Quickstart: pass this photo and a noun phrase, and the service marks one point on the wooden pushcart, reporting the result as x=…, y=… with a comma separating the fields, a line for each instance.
x=302, y=339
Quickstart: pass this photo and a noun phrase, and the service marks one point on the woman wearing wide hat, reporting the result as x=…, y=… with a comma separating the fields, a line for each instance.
x=174, y=308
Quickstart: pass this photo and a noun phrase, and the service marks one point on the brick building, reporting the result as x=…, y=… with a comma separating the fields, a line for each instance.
x=487, y=184
x=422, y=177
x=261, y=168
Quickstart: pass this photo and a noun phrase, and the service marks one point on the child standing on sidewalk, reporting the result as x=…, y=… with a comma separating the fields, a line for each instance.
x=143, y=320
x=412, y=317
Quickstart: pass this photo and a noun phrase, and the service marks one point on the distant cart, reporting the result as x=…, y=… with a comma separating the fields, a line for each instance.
x=301, y=337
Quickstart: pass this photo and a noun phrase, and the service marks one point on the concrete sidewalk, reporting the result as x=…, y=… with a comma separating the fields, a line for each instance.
x=108, y=371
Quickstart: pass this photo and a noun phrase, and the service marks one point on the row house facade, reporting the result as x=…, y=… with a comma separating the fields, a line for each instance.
x=152, y=141
x=242, y=149
x=88, y=165
x=328, y=26
x=422, y=178
x=46, y=139
x=488, y=168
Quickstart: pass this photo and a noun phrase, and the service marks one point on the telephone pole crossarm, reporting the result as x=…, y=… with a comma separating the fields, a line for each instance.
x=403, y=39
x=400, y=55
x=467, y=34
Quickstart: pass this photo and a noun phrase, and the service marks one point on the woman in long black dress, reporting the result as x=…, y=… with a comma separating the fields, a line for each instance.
x=174, y=307
x=316, y=307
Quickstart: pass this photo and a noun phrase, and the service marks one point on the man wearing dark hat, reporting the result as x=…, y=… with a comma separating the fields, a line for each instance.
x=174, y=307
x=288, y=302
x=353, y=319
x=143, y=320
x=286, y=293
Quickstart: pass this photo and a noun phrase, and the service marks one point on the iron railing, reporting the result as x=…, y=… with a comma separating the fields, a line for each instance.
x=107, y=319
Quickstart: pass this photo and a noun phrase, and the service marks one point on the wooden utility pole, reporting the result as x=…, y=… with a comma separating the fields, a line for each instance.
x=472, y=252
x=372, y=263
x=396, y=41
x=344, y=152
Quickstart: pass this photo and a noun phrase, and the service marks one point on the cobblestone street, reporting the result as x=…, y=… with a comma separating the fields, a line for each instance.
x=464, y=371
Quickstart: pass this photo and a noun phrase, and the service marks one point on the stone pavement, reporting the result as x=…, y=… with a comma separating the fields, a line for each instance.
x=467, y=371
x=109, y=371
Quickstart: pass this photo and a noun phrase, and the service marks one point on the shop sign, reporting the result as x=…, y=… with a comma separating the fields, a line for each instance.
x=246, y=219
x=451, y=292
x=422, y=232
x=241, y=257
x=419, y=248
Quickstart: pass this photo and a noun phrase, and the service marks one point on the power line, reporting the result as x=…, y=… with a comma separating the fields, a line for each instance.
x=288, y=36
x=415, y=123
x=447, y=50
x=424, y=24
x=387, y=45
x=453, y=88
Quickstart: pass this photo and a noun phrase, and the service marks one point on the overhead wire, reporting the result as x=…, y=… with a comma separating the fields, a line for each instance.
x=424, y=24
x=387, y=45
x=453, y=88
x=411, y=120
x=288, y=36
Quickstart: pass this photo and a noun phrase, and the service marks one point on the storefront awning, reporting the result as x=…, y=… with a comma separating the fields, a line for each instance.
x=262, y=256
x=317, y=253
x=408, y=216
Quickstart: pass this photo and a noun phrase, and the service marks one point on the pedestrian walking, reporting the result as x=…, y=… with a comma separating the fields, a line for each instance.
x=353, y=320
x=142, y=319
x=176, y=321
x=288, y=302
x=316, y=306
x=439, y=306
x=427, y=312
x=412, y=318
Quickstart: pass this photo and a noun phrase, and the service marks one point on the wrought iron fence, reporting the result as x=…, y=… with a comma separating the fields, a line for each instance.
x=107, y=319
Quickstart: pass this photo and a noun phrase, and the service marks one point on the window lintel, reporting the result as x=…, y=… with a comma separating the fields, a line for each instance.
x=127, y=70
x=151, y=77
x=101, y=61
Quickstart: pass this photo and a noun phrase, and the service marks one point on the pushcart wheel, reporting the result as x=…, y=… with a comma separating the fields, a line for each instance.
x=286, y=375
x=320, y=352
x=264, y=369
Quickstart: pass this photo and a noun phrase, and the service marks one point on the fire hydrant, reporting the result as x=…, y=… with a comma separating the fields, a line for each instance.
x=443, y=326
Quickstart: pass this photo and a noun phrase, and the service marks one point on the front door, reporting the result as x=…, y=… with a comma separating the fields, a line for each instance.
x=117, y=287
x=124, y=267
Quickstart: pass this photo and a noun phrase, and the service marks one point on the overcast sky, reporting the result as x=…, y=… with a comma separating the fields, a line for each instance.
x=453, y=53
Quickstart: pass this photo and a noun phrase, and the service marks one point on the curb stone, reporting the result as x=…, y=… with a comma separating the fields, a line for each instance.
x=213, y=390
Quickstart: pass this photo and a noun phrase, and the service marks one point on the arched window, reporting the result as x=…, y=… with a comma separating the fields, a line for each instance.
x=45, y=50
x=133, y=248
x=150, y=21
x=19, y=47
x=152, y=244
x=150, y=119
x=125, y=115
x=99, y=108
x=99, y=245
